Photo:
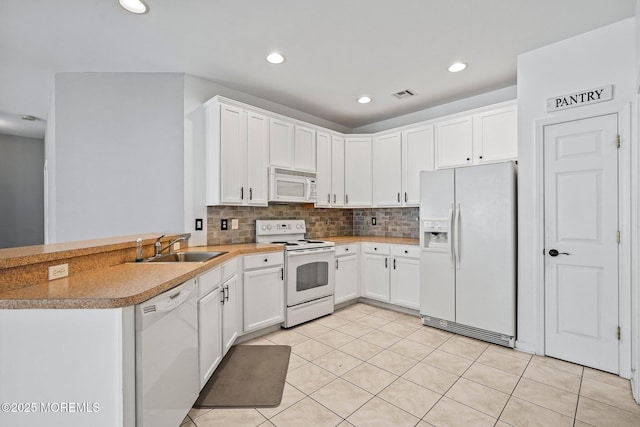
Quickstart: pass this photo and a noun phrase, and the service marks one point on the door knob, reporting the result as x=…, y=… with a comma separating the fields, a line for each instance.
x=554, y=252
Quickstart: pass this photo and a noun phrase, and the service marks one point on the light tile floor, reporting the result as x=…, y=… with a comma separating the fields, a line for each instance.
x=366, y=366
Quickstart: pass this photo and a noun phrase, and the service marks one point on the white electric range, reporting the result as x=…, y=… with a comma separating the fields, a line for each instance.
x=309, y=269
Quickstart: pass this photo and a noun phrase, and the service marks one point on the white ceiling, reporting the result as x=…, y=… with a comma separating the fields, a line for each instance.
x=336, y=50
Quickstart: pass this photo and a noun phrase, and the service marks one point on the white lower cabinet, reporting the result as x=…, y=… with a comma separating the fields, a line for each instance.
x=375, y=271
x=209, y=322
x=347, y=278
x=218, y=318
x=405, y=276
x=391, y=273
x=231, y=307
x=263, y=296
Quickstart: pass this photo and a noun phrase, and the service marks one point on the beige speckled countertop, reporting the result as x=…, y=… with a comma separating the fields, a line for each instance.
x=120, y=285
x=124, y=284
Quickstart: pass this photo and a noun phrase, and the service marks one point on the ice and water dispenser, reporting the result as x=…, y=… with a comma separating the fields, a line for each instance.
x=435, y=234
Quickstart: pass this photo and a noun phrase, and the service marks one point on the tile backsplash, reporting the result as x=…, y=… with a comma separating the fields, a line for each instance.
x=391, y=222
x=320, y=222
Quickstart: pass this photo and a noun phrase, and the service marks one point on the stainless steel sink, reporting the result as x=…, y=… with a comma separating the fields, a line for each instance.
x=187, y=257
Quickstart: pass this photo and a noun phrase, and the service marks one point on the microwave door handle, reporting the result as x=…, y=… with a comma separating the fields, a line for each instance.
x=307, y=189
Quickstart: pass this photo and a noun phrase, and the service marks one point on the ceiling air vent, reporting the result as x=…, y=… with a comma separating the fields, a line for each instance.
x=404, y=94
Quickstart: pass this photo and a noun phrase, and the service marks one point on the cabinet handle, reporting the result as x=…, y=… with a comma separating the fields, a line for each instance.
x=241, y=193
x=282, y=273
x=346, y=249
x=386, y=262
x=375, y=249
x=468, y=158
x=394, y=263
x=405, y=197
x=334, y=199
x=328, y=198
x=346, y=199
x=266, y=260
x=250, y=193
x=222, y=296
x=480, y=157
x=336, y=264
x=398, y=197
x=226, y=293
x=406, y=252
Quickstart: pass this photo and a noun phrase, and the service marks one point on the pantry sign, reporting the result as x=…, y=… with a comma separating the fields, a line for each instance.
x=579, y=99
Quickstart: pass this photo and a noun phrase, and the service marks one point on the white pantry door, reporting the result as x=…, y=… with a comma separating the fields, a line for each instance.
x=581, y=241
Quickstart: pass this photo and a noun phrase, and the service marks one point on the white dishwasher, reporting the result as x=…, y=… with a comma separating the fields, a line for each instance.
x=167, y=377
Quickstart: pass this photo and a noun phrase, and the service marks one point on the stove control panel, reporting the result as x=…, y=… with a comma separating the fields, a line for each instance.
x=280, y=227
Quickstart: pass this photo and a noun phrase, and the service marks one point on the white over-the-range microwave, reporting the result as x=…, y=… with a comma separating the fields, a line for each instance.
x=291, y=186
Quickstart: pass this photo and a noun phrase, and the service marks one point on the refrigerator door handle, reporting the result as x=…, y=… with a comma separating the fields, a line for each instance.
x=452, y=255
x=456, y=233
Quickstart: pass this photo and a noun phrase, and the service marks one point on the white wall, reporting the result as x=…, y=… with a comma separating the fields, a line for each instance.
x=600, y=57
x=118, y=155
x=21, y=191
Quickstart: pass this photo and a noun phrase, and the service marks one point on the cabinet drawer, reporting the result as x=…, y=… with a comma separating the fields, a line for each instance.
x=229, y=268
x=376, y=248
x=209, y=281
x=405, y=251
x=263, y=260
x=342, y=250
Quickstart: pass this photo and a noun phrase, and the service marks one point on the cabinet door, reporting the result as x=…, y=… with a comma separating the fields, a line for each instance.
x=495, y=136
x=304, y=149
x=323, y=169
x=280, y=144
x=263, y=298
x=405, y=282
x=375, y=276
x=233, y=161
x=387, y=170
x=417, y=155
x=257, y=159
x=210, y=340
x=337, y=171
x=357, y=172
x=346, y=278
x=230, y=319
x=454, y=140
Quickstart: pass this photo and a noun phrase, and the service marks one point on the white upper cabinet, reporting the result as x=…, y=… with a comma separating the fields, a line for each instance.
x=304, y=149
x=417, y=155
x=281, y=144
x=329, y=170
x=357, y=171
x=454, y=139
x=495, y=135
x=323, y=169
x=337, y=171
x=486, y=137
x=236, y=152
x=387, y=170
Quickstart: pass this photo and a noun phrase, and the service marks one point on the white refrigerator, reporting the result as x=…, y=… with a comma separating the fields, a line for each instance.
x=468, y=251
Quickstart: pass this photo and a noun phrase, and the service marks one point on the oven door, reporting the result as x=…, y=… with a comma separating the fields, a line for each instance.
x=310, y=274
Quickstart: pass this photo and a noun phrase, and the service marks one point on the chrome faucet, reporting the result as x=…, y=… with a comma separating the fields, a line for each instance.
x=160, y=249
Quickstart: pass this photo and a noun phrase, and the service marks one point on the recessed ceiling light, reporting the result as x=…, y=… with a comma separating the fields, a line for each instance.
x=134, y=6
x=28, y=118
x=364, y=100
x=458, y=66
x=275, y=58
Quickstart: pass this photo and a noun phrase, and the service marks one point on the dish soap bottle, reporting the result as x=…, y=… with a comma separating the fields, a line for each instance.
x=139, y=256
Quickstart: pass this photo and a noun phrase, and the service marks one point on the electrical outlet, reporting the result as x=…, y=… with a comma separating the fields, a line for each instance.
x=373, y=221
x=58, y=271
x=224, y=224
x=234, y=224
x=198, y=224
